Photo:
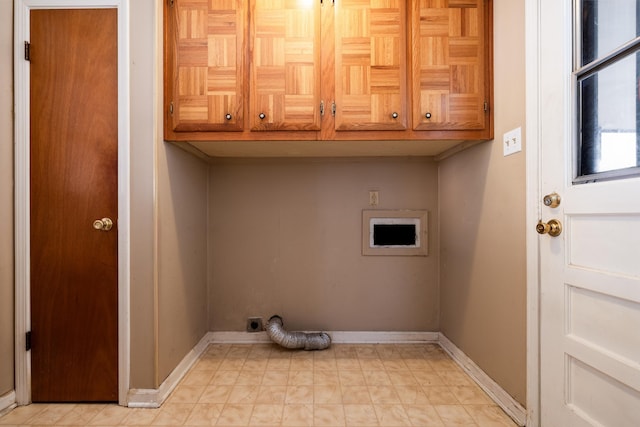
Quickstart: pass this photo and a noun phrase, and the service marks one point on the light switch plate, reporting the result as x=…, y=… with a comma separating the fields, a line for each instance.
x=512, y=141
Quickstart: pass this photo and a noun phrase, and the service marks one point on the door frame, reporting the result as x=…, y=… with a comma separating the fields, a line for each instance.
x=534, y=167
x=22, y=9
x=533, y=174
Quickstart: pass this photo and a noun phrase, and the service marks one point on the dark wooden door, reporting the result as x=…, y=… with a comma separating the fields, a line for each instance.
x=74, y=142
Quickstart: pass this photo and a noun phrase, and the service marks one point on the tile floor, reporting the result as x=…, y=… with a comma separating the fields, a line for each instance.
x=264, y=385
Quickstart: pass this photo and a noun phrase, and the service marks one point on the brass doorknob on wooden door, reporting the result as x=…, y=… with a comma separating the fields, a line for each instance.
x=104, y=224
x=553, y=228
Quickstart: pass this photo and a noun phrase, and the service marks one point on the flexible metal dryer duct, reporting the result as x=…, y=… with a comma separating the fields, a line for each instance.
x=305, y=340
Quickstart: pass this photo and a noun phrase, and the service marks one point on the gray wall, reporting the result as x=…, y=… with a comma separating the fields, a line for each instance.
x=182, y=255
x=285, y=238
x=168, y=209
x=482, y=227
x=143, y=139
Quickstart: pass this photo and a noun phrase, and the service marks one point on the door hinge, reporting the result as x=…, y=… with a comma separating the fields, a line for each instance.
x=27, y=51
x=171, y=3
x=321, y=108
x=333, y=109
x=486, y=106
x=27, y=341
x=171, y=108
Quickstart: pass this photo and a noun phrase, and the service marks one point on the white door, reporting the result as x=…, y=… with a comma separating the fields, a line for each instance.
x=588, y=97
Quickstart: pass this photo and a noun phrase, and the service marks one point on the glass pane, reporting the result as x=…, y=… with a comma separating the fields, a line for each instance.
x=607, y=25
x=609, y=105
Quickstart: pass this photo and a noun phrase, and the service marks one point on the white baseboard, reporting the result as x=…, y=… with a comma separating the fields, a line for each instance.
x=497, y=393
x=337, y=337
x=239, y=337
x=154, y=398
x=7, y=402
x=366, y=337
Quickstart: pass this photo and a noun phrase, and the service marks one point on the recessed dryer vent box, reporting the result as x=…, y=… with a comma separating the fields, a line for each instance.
x=395, y=232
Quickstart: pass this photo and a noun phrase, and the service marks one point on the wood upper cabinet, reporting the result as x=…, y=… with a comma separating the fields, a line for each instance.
x=328, y=70
x=205, y=65
x=285, y=65
x=451, y=81
x=371, y=64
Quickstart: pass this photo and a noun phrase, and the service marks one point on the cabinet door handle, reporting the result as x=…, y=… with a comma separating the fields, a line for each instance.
x=262, y=116
x=394, y=115
x=427, y=116
x=228, y=116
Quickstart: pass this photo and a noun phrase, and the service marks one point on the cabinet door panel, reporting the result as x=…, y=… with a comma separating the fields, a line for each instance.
x=208, y=65
x=449, y=60
x=370, y=65
x=285, y=65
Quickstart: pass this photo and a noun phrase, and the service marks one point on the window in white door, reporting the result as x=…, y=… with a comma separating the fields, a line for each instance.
x=607, y=78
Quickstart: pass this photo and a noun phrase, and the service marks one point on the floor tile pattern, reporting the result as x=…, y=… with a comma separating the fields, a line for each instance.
x=265, y=385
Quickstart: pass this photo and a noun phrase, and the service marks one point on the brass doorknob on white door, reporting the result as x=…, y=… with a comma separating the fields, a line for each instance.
x=104, y=224
x=552, y=200
x=553, y=228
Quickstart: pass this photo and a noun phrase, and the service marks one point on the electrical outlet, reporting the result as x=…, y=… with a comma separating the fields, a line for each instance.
x=512, y=141
x=254, y=324
x=373, y=198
